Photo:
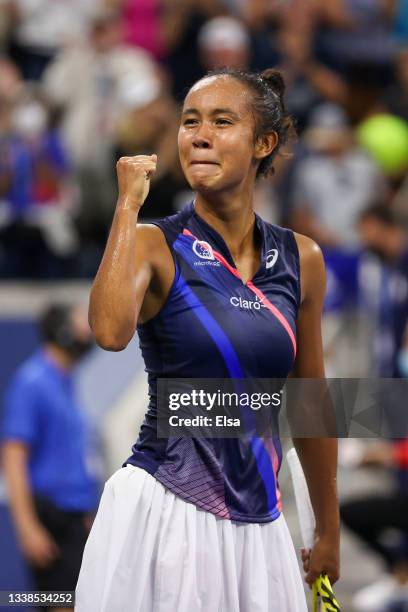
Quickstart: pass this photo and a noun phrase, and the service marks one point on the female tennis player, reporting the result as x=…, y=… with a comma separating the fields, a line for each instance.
x=215, y=292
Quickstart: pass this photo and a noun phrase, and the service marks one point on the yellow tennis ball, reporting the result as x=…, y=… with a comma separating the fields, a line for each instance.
x=385, y=137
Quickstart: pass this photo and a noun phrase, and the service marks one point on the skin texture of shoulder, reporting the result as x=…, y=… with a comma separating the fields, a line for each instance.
x=152, y=250
x=309, y=360
x=312, y=268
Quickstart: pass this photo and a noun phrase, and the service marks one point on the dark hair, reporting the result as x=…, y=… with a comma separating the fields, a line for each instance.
x=382, y=213
x=55, y=325
x=268, y=106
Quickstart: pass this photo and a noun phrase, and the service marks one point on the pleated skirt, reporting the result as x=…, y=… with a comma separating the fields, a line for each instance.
x=151, y=551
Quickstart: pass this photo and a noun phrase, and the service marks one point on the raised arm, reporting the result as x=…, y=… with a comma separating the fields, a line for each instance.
x=318, y=456
x=127, y=270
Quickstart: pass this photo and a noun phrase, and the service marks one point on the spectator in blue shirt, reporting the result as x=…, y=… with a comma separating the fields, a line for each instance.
x=46, y=453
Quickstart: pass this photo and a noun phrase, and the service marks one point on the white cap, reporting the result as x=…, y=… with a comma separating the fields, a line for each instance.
x=224, y=33
x=328, y=124
x=30, y=119
x=329, y=116
x=136, y=91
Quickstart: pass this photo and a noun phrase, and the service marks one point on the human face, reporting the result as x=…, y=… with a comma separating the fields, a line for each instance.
x=216, y=135
x=83, y=338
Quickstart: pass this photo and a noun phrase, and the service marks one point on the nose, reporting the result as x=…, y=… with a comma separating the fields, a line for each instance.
x=202, y=137
x=200, y=143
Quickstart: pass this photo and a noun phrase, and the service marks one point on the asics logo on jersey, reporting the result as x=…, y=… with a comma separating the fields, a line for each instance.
x=271, y=257
x=203, y=250
x=239, y=302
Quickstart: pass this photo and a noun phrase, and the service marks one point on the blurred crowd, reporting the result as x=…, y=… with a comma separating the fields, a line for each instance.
x=84, y=82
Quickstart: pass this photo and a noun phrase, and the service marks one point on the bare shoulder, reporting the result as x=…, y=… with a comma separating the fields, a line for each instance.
x=309, y=250
x=153, y=250
x=312, y=268
x=151, y=242
x=150, y=234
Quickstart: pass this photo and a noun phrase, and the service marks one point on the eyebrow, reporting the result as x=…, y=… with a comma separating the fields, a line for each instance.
x=215, y=111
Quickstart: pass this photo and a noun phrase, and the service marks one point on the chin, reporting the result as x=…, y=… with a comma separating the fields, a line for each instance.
x=203, y=184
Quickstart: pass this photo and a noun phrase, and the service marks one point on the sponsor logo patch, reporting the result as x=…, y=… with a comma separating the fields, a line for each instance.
x=271, y=257
x=204, y=251
x=239, y=302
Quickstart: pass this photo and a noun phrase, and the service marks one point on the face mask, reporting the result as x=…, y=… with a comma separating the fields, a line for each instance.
x=403, y=362
x=79, y=348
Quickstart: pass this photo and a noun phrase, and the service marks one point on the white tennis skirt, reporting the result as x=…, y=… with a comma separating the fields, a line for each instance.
x=151, y=551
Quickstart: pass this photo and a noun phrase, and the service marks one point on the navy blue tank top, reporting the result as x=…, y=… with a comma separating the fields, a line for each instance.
x=215, y=326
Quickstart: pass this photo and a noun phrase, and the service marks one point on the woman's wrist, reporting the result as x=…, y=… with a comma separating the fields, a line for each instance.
x=128, y=204
x=331, y=531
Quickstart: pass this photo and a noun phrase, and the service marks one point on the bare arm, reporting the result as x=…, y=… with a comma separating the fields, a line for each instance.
x=37, y=544
x=15, y=458
x=126, y=269
x=318, y=456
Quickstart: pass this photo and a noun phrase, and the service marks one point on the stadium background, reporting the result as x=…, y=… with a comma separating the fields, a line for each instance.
x=82, y=83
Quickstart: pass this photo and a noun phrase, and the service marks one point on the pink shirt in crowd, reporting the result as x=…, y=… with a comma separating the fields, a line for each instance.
x=141, y=25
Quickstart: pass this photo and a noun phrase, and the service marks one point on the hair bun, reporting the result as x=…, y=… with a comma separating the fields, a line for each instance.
x=274, y=78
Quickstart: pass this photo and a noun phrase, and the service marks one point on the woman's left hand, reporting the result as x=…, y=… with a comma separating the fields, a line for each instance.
x=323, y=558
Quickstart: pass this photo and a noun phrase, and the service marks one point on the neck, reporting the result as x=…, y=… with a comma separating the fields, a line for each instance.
x=233, y=218
x=59, y=357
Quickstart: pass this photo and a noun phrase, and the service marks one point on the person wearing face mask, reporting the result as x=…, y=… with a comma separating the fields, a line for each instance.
x=47, y=454
x=383, y=234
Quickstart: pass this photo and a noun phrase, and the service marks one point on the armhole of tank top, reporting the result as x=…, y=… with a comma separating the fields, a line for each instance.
x=175, y=279
x=297, y=262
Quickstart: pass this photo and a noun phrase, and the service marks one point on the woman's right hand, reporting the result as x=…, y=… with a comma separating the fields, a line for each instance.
x=38, y=546
x=134, y=179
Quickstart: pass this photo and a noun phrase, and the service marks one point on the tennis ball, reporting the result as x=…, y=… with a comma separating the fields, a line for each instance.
x=385, y=137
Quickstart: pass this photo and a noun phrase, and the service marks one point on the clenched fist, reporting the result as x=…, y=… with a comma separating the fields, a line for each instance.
x=134, y=179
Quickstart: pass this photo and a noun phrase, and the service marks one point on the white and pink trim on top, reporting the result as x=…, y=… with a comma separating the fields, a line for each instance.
x=267, y=303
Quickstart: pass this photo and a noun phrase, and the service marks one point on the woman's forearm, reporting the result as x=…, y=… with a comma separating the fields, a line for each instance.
x=118, y=288
x=124, y=274
x=318, y=457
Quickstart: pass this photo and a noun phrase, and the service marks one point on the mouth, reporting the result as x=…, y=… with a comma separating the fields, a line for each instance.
x=203, y=163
